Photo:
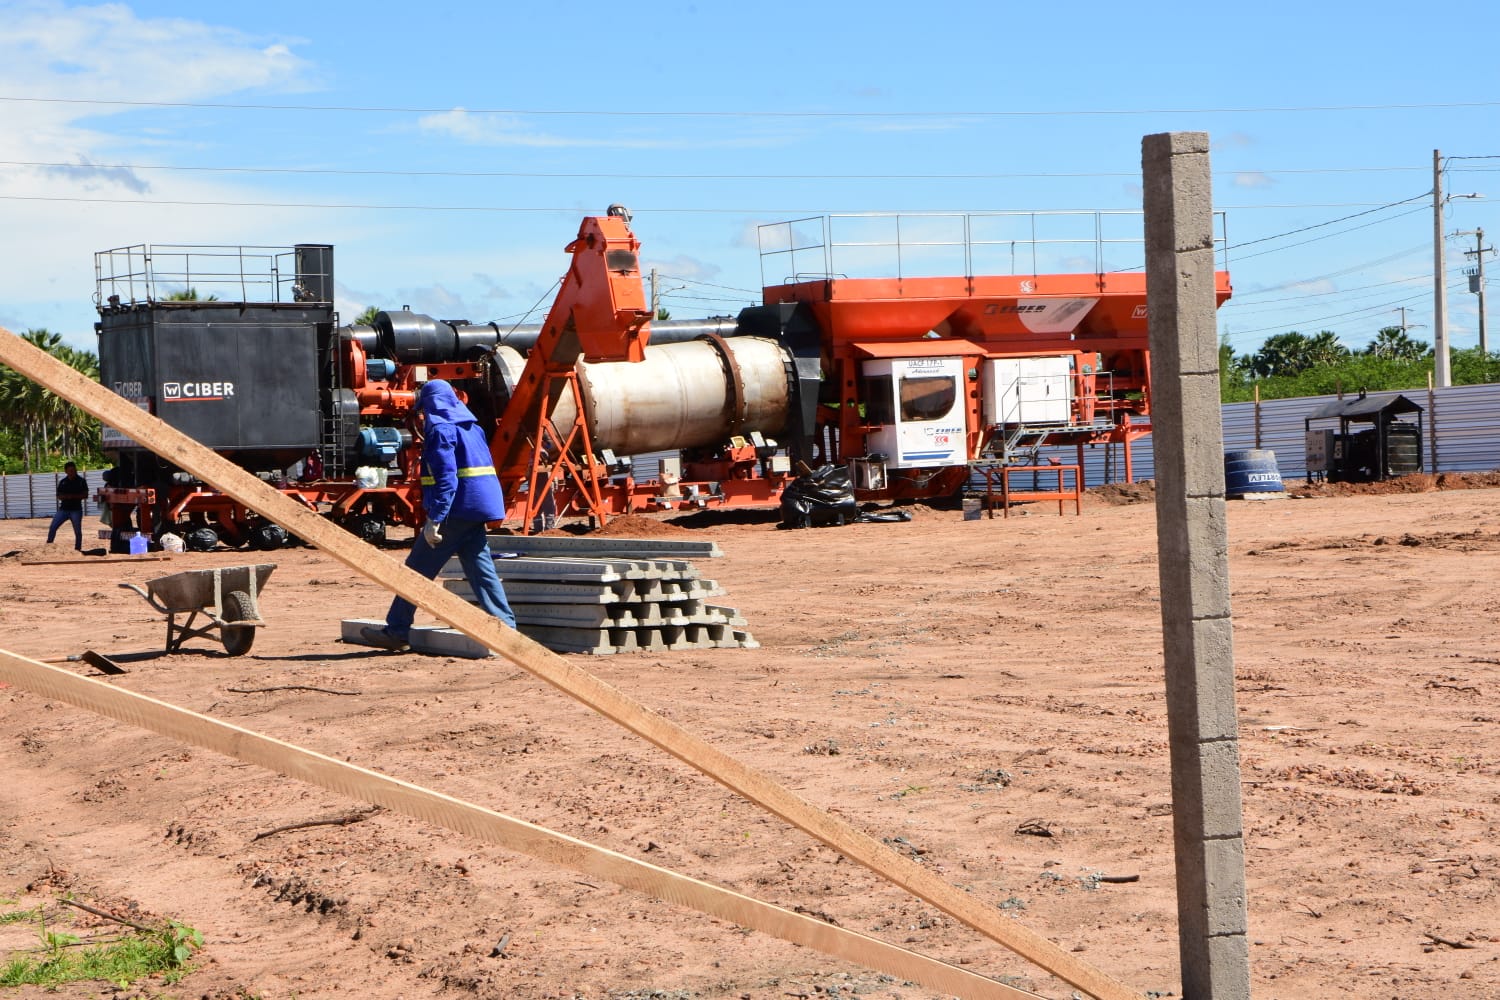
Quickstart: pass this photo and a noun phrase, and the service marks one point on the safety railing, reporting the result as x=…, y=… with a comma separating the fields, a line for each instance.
x=164, y=272
x=945, y=244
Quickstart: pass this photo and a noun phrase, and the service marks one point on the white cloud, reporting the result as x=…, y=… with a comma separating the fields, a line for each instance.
x=1231, y=140
x=96, y=177
x=54, y=51
x=1252, y=179
x=56, y=60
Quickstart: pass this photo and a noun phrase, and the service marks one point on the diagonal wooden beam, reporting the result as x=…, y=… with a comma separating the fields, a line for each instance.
x=496, y=828
x=182, y=451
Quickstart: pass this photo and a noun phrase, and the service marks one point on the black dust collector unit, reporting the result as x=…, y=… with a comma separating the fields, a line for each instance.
x=222, y=343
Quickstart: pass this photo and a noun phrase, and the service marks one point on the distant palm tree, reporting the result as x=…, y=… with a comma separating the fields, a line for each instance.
x=1282, y=354
x=1394, y=343
x=1325, y=349
x=367, y=318
x=191, y=295
x=46, y=421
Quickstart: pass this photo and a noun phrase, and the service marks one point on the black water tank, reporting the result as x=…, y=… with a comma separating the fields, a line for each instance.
x=1251, y=471
x=1403, y=449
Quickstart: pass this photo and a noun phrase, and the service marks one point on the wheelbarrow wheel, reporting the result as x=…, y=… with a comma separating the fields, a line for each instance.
x=238, y=638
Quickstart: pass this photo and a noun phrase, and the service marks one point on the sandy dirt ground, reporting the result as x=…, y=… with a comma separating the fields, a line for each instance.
x=985, y=695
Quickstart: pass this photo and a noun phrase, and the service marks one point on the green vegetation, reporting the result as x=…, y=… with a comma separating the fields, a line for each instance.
x=138, y=954
x=39, y=430
x=19, y=916
x=1293, y=364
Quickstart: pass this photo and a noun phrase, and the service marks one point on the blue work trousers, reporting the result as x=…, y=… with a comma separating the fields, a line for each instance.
x=63, y=517
x=465, y=539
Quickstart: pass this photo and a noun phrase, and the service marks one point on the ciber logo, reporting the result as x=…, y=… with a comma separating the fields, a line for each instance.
x=176, y=392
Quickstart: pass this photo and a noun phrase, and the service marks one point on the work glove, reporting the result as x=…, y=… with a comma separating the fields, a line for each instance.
x=433, y=533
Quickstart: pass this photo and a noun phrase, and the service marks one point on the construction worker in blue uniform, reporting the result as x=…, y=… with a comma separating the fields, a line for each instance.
x=460, y=492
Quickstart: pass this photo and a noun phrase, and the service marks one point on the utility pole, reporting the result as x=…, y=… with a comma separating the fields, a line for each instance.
x=655, y=296
x=1402, y=311
x=1442, y=369
x=1477, y=282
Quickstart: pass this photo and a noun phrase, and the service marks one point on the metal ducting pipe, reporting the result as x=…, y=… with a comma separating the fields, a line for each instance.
x=367, y=337
x=417, y=338
x=414, y=338
x=683, y=395
x=663, y=331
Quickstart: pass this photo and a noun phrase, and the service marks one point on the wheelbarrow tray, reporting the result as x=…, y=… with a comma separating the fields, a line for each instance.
x=194, y=588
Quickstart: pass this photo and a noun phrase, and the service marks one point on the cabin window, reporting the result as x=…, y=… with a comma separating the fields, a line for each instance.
x=880, y=404
x=927, y=397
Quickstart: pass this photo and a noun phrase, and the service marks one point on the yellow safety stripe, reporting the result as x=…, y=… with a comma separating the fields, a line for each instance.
x=476, y=470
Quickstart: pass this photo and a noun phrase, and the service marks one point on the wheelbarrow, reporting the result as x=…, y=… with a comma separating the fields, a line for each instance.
x=225, y=595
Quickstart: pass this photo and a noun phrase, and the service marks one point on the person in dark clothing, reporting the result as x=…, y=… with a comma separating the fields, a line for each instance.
x=460, y=492
x=72, y=491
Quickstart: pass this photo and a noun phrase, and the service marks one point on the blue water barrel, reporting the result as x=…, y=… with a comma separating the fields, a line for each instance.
x=1251, y=471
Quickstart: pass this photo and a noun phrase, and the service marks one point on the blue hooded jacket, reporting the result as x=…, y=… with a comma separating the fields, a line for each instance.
x=458, y=475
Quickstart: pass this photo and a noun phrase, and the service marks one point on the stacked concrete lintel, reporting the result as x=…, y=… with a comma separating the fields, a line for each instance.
x=598, y=595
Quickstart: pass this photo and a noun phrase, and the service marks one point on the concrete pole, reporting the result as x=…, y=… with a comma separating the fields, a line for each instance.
x=1478, y=254
x=1442, y=363
x=1192, y=549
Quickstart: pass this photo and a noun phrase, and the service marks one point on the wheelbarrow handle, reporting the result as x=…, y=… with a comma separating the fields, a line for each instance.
x=147, y=595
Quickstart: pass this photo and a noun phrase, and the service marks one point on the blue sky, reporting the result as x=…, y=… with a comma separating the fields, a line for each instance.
x=463, y=142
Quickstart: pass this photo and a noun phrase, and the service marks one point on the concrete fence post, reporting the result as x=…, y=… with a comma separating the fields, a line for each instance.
x=1192, y=547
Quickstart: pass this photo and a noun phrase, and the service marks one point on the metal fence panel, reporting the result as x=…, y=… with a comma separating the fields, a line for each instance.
x=1462, y=425
x=35, y=495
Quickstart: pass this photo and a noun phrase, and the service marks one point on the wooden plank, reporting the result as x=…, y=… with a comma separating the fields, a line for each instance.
x=490, y=826
x=96, y=560
x=566, y=676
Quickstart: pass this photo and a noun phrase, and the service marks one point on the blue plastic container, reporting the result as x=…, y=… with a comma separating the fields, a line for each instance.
x=1251, y=471
x=139, y=543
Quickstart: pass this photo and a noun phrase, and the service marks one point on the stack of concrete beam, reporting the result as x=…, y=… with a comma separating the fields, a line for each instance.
x=583, y=594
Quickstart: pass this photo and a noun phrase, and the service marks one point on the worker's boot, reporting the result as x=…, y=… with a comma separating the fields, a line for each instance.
x=381, y=638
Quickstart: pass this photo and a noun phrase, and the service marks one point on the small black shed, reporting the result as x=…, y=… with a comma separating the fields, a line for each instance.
x=1390, y=446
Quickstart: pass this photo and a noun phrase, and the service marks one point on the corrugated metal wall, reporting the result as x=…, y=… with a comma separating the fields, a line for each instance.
x=36, y=495
x=1462, y=427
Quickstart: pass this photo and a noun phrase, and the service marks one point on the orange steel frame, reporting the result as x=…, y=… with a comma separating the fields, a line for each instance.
x=600, y=315
x=985, y=317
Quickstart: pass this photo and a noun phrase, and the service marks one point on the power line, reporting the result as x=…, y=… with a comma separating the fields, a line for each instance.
x=707, y=284
x=615, y=113
x=530, y=209
x=1367, y=310
x=1328, y=236
x=1341, y=295
x=1341, y=291
x=1339, y=274
x=573, y=209
x=1330, y=222
x=346, y=172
